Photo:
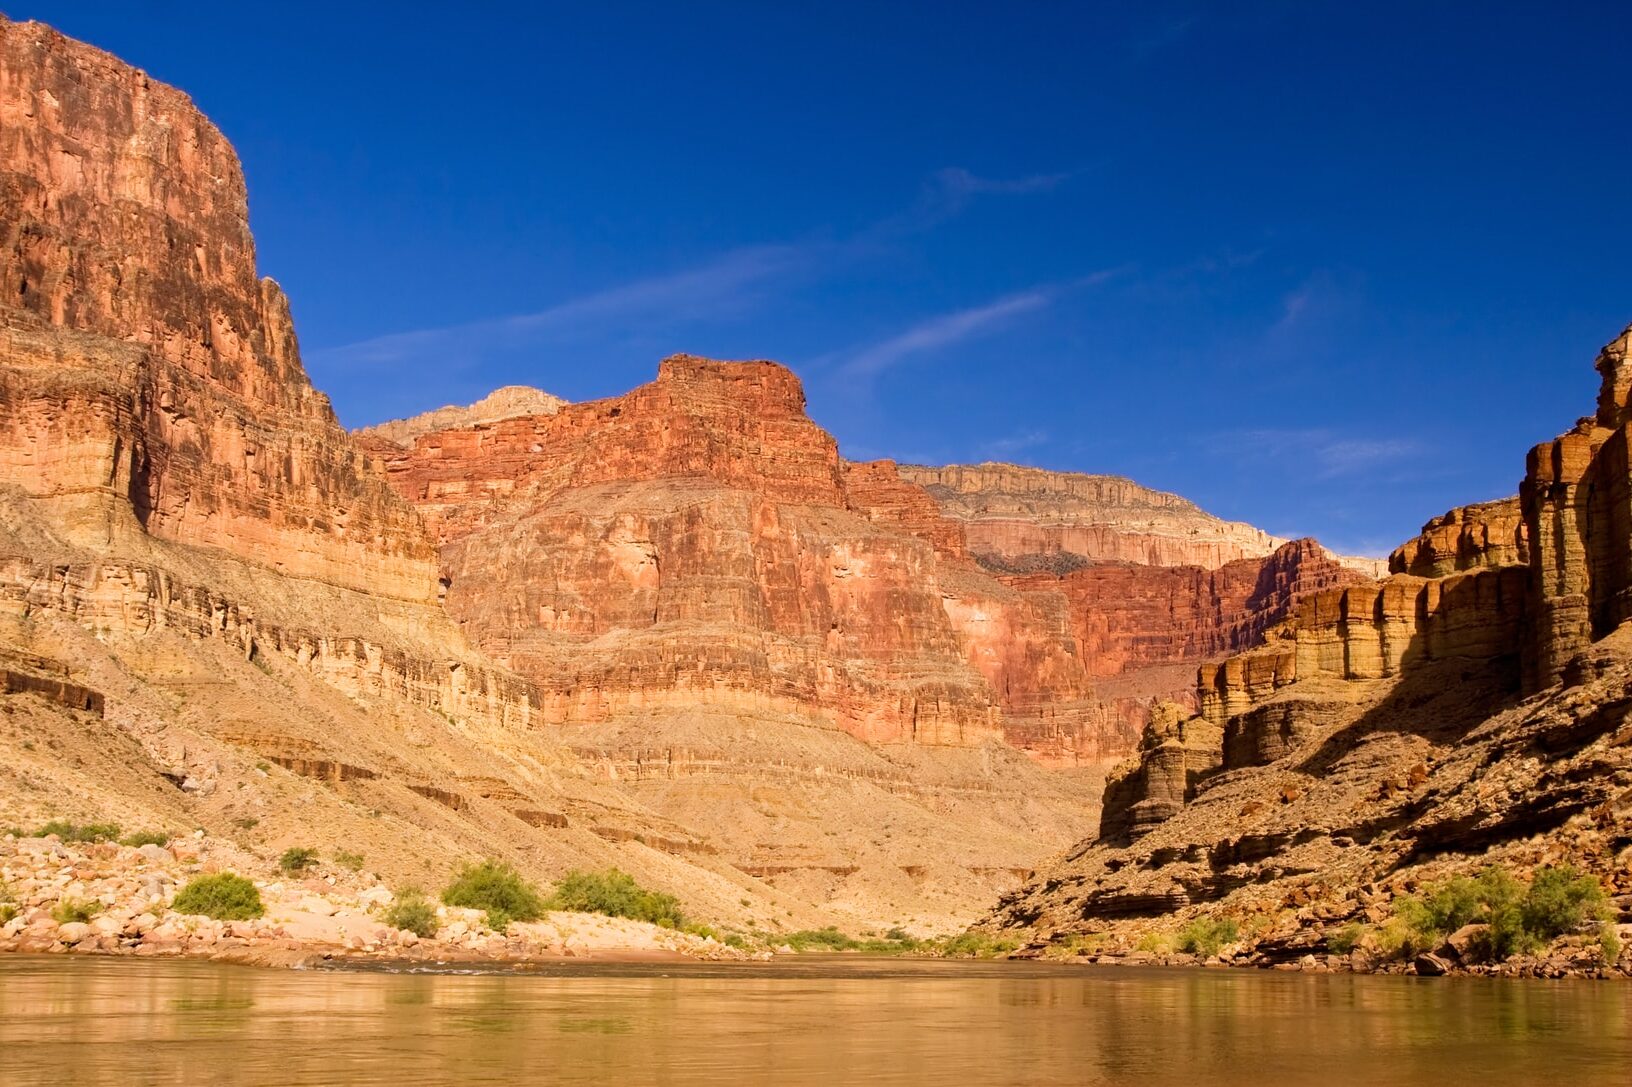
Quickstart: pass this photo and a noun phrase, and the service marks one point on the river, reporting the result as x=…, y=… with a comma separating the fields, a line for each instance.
x=834, y=1021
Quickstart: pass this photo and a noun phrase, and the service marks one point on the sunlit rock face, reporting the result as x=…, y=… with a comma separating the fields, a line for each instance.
x=148, y=379
x=1470, y=709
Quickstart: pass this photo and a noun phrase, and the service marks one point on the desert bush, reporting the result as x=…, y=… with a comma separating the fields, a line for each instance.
x=1346, y=939
x=146, y=837
x=1561, y=900
x=1522, y=918
x=499, y=891
x=411, y=910
x=346, y=859
x=68, y=910
x=224, y=896
x=979, y=945
x=615, y=894
x=297, y=859
x=1206, y=936
x=79, y=832
x=819, y=939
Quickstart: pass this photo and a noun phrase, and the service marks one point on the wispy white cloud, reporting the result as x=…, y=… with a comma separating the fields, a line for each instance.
x=1325, y=454
x=948, y=192
x=1017, y=442
x=717, y=288
x=942, y=331
x=947, y=329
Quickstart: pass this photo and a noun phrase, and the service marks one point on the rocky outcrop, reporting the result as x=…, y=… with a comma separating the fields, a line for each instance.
x=504, y=403
x=698, y=542
x=1484, y=534
x=1015, y=516
x=1382, y=732
x=1176, y=751
x=1577, y=499
x=150, y=383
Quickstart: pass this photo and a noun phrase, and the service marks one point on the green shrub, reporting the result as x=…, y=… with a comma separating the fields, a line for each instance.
x=1346, y=939
x=248, y=822
x=1521, y=919
x=224, y=896
x=297, y=859
x=819, y=939
x=74, y=909
x=615, y=894
x=348, y=860
x=894, y=942
x=1561, y=900
x=79, y=832
x=8, y=910
x=979, y=945
x=1206, y=936
x=497, y=889
x=412, y=911
x=146, y=837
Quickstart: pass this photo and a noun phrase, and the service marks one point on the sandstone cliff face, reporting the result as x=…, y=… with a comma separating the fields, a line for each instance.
x=1017, y=518
x=698, y=542
x=1467, y=538
x=149, y=382
x=1382, y=730
x=505, y=403
x=225, y=618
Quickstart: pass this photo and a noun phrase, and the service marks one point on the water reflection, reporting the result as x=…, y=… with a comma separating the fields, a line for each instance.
x=90, y=1021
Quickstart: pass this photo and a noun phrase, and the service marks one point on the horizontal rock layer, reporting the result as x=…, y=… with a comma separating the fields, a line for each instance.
x=1015, y=515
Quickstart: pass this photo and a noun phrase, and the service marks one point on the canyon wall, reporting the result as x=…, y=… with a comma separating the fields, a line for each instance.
x=1018, y=518
x=149, y=381
x=1475, y=707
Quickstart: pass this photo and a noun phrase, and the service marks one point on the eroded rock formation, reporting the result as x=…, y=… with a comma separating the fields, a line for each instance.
x=505, y=403
x=1018, y=518
x=239, y=619
x=1470, y=709
x=149, y=381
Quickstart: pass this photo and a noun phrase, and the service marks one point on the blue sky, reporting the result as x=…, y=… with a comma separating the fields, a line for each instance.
x=1330, y=268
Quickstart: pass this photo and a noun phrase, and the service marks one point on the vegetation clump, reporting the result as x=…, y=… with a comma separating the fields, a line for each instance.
x=498, y=890
x=615, y=894
x=348, y=860
x=412, y=911
x=83, y=833
x=1521, y=919
x=224, y=896
x=146, y=837
x=69, y=910
x=979, y=945
x=297, y=859
x=1206, y=936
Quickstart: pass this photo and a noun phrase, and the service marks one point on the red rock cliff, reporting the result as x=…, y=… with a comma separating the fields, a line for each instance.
x=149, y=380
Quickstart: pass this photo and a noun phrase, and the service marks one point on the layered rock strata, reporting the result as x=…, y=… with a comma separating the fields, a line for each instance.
x=1017, y=519
x=504, y=403
x=149, y=381
x=187, y=533
x=1467, y=538
x=1386, y=734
